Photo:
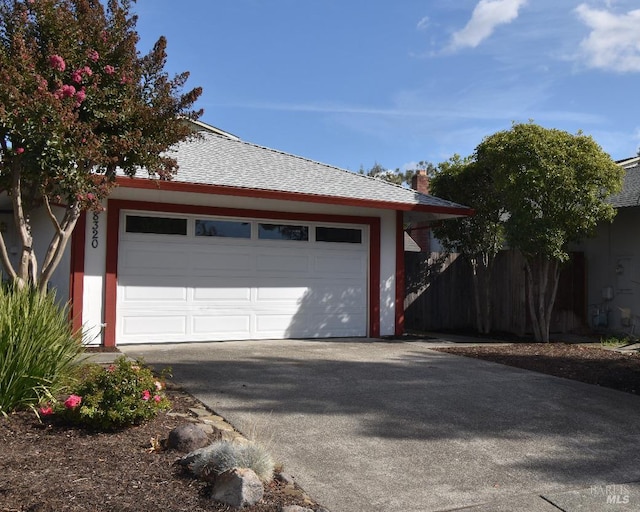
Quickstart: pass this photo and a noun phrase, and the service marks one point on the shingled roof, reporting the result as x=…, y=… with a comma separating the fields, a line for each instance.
x=630, y=194
x=228, y=162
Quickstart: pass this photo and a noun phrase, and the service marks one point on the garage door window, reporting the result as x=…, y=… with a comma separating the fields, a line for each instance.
x=223, y=228
x=340, y=235
x=283, y=232
x=156, y=225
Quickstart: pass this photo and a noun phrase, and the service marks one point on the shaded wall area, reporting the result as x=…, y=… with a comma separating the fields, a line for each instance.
x=439, y=294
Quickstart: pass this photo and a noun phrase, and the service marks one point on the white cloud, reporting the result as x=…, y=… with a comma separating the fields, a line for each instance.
x=614, y=41
x=487, y=15
x=423, y=23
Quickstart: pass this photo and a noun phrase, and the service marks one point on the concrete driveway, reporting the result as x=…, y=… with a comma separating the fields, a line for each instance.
x=369, y=425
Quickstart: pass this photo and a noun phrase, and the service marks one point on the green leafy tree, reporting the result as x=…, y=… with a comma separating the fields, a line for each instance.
x=554, y=187
x=77, y=102
x=477, y=238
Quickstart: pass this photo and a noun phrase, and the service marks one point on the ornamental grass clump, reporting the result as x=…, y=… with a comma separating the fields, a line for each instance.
x=39, y=350
x=124, y=394
x=222, y=456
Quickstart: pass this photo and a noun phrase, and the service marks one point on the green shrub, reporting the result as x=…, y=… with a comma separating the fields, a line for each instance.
x=222, y=456
x=38, y=348
x=124, y=394
x=615, y=341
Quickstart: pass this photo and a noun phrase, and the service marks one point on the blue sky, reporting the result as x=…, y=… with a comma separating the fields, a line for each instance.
x=355, y=82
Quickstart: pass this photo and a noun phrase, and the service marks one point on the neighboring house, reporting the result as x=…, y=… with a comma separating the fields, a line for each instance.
x=244, y=243
x=613, y=260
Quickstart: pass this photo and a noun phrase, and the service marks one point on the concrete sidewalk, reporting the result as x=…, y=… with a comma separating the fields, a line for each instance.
x=375, y=425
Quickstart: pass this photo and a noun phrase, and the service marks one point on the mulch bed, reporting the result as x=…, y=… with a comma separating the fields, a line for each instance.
x=586, y=363
x=51, y=468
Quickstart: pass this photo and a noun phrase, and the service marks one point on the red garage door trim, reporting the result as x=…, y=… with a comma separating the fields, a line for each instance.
x=113, y=221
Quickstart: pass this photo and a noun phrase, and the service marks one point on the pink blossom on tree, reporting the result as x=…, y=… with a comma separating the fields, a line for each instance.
x=81, y=95
x=67, y=91
x=109, y=69
x=93, y=55
x=57, y=63
x=76, y=76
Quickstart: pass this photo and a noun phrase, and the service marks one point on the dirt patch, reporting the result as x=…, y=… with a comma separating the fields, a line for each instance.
x=586, y=363
x=48, y=468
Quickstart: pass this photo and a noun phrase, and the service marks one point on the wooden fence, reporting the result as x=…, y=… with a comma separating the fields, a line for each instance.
x=439, y=294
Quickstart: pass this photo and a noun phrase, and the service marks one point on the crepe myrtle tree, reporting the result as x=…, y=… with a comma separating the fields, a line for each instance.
x=78, y=102
x=554, y=186
x=477, y=238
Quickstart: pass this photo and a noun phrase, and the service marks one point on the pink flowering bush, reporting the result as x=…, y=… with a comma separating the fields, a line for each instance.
x=123, y=394
x=73, y=401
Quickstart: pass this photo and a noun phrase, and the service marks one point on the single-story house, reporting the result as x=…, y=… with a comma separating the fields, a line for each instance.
x=613, y=260
x=245, y=242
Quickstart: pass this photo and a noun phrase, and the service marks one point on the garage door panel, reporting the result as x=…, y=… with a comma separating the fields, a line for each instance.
x=142, y=288
x=224, y=261
x=152, y=324
x=318, y=323
x=222, y=323
x=224, y=293
x=153, y=261
x=336, y=264
x=282, y=263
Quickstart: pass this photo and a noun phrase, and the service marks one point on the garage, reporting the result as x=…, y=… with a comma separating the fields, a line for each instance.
x=185, y=278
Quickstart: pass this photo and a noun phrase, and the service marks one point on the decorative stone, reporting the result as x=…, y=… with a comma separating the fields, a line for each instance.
x=216, y=422
x=296, y=508
x=238, y=487
x=207, y=429
x=187, y=438
x=198, y=411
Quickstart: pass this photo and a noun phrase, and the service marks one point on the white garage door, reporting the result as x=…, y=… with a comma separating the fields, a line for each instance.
x=189, y=278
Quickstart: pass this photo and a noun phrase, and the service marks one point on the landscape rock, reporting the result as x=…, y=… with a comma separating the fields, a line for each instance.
x=296, y=508
x=238, y=487
x=207, y=429
x=187, y=438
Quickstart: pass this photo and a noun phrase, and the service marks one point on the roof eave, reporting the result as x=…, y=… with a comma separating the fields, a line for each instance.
x=176, y=186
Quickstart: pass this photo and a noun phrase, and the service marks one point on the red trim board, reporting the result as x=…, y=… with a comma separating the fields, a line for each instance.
x=115, y=206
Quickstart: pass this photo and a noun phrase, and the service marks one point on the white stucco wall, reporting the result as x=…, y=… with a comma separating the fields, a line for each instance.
x=95, y=255
x=613, y=273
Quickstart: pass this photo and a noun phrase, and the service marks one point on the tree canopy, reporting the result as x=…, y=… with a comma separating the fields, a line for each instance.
x=77, y=102
x=553, y=186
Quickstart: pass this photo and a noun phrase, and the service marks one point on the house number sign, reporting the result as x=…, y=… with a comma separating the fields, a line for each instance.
x=94, y=230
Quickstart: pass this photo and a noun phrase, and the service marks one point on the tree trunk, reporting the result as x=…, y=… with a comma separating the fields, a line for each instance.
x=476, y=294
x=481, y=268
x=26, y=271
x=27, y=268
x=63, y=231
x=542, y=285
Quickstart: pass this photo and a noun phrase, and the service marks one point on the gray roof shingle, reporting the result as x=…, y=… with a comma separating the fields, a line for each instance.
x=212, y=159
x=630, y=194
